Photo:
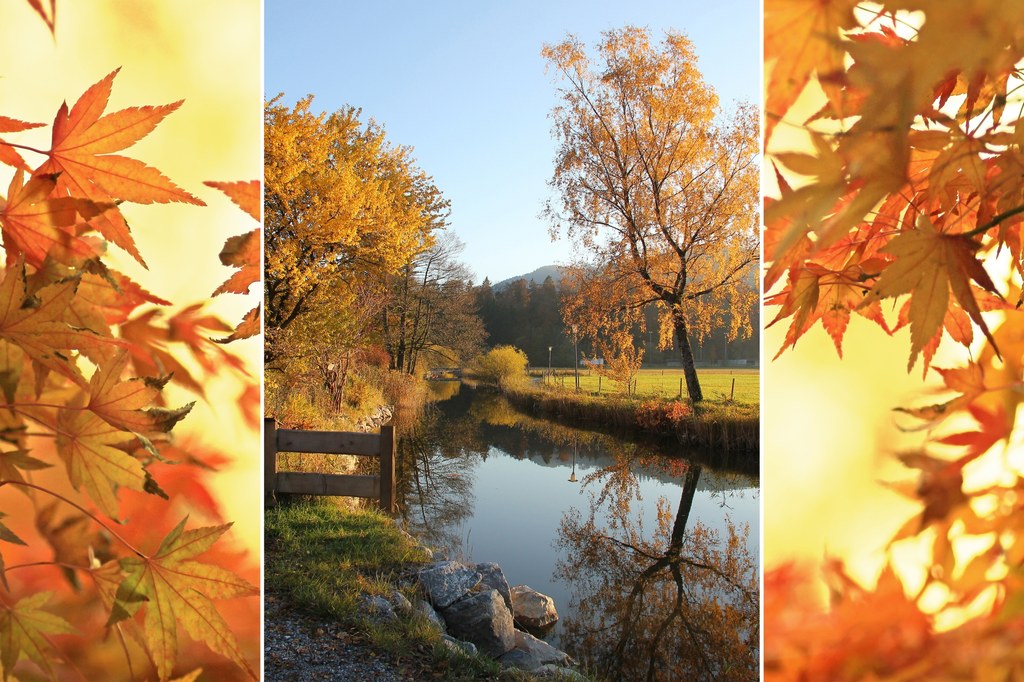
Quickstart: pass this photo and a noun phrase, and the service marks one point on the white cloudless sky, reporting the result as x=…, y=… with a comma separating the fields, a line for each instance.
x=463, y=83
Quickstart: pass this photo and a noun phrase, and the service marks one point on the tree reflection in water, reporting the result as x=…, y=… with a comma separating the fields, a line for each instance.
x=435, y=471
x=679, y=605
x=676, y=602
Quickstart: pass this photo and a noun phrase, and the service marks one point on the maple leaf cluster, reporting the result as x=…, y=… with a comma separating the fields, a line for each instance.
x=903, y=189
x=85, y=354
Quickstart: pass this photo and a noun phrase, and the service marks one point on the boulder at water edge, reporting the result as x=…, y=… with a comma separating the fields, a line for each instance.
x=484, y=620
x=532, y=609
x=531, y=653
x=447, y=581
x=493, y=578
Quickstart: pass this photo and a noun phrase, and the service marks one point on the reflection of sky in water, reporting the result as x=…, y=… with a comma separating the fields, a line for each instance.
x=520, y=504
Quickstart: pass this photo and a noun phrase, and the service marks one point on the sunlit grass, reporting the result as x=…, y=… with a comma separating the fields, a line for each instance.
x=741, y=385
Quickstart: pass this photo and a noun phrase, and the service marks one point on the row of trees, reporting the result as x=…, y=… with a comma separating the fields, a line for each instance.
x=534, y=317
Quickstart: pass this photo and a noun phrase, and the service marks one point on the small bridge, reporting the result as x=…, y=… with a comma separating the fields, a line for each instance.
x=380, y=445
x=444, y=374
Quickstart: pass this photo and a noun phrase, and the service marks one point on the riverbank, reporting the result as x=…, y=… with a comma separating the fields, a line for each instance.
x=714, y=424
x=324, y=566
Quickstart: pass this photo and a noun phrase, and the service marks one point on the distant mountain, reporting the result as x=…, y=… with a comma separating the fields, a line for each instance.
x=538, y=276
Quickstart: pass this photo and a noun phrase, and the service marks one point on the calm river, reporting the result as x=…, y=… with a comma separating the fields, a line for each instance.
x=650, y=552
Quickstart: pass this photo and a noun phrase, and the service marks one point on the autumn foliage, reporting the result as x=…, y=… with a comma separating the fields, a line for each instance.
x=894, y=139
x=100, y=563
x=658, y=184
x=342, y=206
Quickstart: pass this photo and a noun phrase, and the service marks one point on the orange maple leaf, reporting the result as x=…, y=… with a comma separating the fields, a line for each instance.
x=817, y=293
x=150, y=341
x=82, y=141
x=109, y=299
x=241, y=251
x=248, y=327
x=175, y=589
x=120, y=403
x=800, y=39
x=993, y=427
x=8, y=154
x=246, y=194
x=968, y=382
x=930, y=265
x=38, y=227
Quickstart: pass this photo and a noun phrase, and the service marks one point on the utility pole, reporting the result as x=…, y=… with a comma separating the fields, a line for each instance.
x=576, y=352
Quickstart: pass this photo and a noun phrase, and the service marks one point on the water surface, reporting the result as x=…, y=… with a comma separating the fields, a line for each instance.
x=649, y=552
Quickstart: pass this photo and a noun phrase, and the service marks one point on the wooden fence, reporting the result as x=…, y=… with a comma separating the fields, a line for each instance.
x=380, y=445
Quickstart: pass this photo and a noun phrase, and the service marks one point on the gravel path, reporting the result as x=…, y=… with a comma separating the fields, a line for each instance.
x=298, y=646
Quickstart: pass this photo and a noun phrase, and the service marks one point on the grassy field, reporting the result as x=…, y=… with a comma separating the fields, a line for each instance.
x=717, y=384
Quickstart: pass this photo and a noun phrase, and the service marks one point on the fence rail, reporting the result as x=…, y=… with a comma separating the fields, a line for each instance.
x=380, y=445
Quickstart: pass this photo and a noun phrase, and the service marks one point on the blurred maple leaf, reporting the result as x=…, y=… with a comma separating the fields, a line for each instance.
x=47, y=12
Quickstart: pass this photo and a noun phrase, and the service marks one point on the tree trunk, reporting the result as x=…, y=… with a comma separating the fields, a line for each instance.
x=689, y=371
x=685, y=505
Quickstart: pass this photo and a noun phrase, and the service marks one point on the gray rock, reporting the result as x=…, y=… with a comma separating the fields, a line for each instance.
x=517, y=658
x=563, y=673
x=484, y=620
x=493, y=578
x=531, y=653
x=458, y=646
x=447, y=581
x=427, y=610
x=532, y=609
x=400, y=602
x=378, y=607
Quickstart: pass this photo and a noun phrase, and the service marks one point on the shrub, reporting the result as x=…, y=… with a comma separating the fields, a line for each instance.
x=504, y=366
x=657, y=415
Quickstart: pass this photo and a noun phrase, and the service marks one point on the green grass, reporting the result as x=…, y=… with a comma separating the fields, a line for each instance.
x=717, y=422
x=322, y=558
x=717, y=384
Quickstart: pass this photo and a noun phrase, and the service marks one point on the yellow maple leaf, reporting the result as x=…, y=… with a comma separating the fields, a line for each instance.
x=86, y=443
x=22, y=632
x=175, y=589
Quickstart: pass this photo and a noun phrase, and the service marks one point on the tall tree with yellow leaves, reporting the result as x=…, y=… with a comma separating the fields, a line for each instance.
x=657, y=185
x=340, y=201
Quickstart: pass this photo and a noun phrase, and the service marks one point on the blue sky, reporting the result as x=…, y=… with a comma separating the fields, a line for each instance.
x=463, y=83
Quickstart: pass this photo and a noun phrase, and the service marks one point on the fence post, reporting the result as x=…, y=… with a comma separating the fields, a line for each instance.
x=269, y=461
x=387, y=468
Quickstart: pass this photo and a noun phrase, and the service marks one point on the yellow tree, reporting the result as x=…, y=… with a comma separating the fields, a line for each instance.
x=905, y=182
x=340, y=201
x=658, y=187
